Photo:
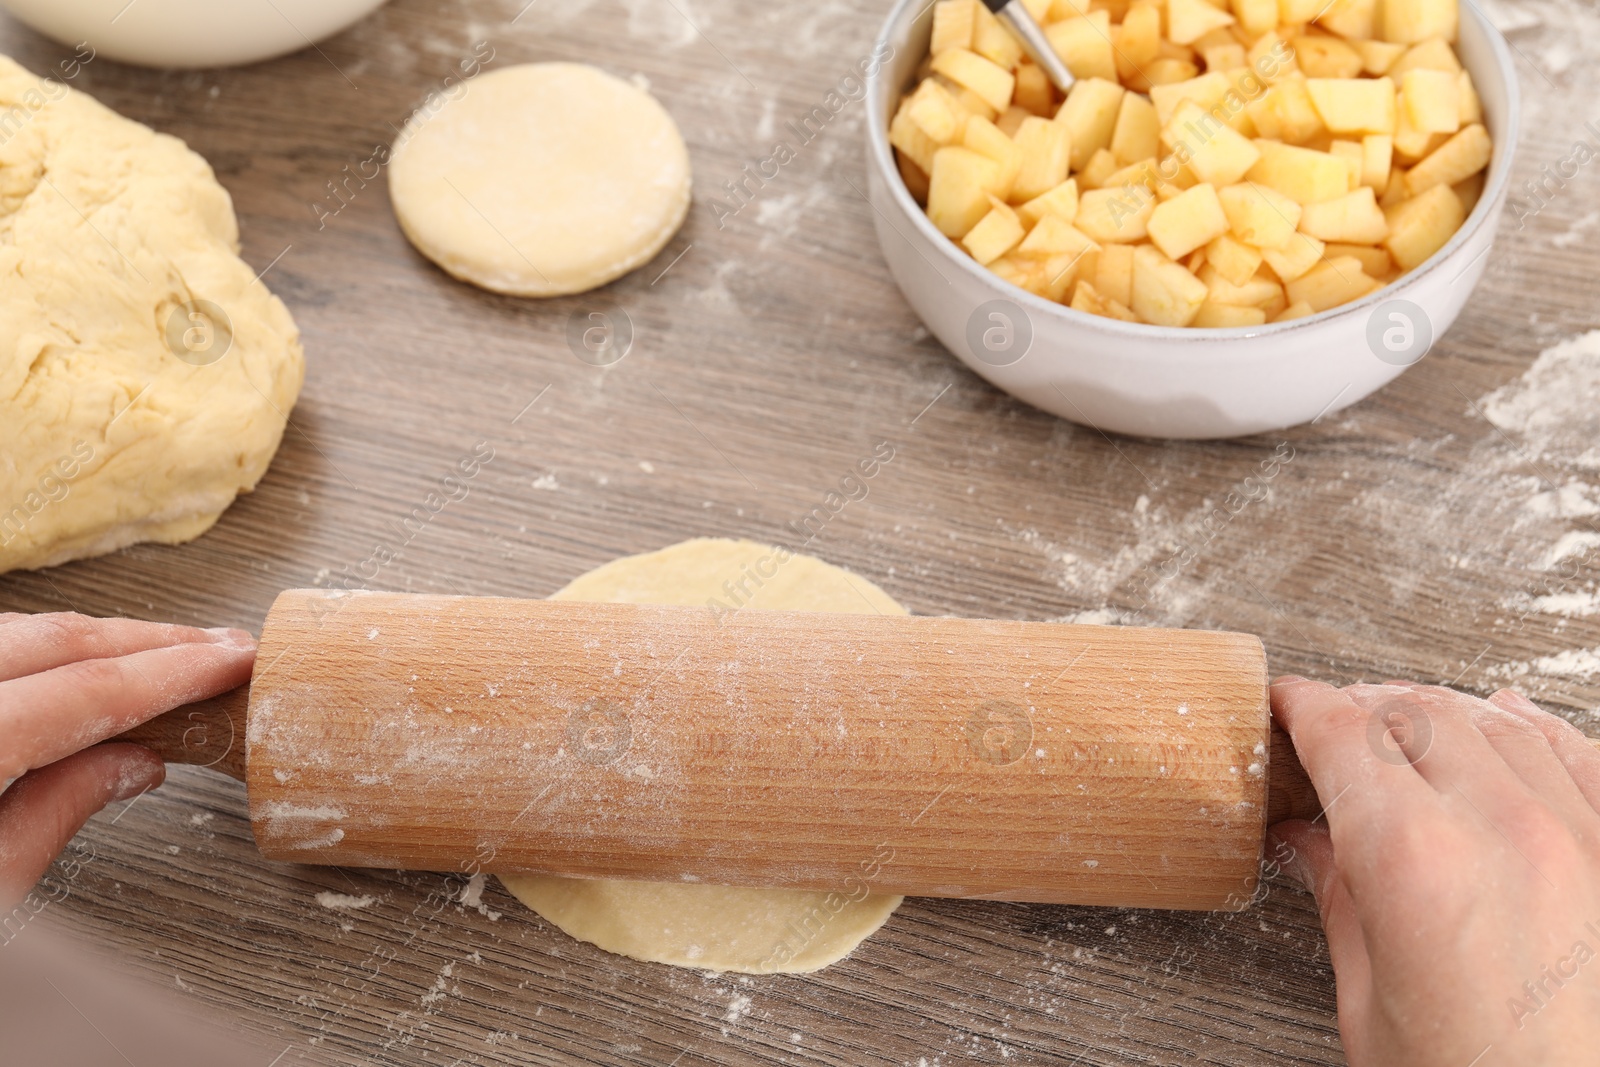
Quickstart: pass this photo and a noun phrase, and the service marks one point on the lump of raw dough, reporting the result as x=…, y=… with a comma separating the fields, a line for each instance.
x=717, y=928
x=541, y=179
x=145, y=375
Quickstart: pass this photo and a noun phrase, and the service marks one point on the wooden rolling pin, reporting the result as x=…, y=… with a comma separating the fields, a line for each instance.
x=1008, y=760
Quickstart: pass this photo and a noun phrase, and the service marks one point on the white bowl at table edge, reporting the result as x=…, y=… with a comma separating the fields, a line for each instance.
x=191, y=33
x=1156, y=381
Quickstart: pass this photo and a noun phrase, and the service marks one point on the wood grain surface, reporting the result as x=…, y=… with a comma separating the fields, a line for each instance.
x=1408, y=536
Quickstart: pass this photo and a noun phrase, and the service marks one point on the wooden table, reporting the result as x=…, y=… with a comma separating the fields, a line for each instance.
x=1406, y=536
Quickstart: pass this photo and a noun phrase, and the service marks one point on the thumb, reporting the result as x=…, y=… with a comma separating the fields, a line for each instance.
x=44, y=809
x=1305, y=852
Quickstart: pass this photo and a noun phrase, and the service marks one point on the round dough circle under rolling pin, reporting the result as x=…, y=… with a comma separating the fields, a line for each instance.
x=719, y=928
x=541, y=179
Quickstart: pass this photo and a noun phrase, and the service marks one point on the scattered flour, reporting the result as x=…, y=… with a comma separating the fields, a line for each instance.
x=1575, y=500
x=1573, y=235
x=1577, y=663
x=472, y=897
x=343, y=902
x=437, y=991
x=1572, y=543
x=1551, y=408
x=1572, y=605
x=547, y=482
x=1096, y=617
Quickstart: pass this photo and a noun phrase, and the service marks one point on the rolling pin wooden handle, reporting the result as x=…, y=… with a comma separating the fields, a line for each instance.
x=206, y=734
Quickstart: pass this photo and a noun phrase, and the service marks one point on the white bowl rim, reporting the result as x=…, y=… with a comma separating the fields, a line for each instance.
x=1505, y=144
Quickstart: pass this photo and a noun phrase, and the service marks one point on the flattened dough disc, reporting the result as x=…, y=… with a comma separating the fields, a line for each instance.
x=718, y=928
x=541, y=179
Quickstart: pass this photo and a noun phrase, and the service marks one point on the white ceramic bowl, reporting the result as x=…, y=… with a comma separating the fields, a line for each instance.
x=1155, y=381
x=190, y=33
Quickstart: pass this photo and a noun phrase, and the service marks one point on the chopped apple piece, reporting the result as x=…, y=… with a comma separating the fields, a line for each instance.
x=992, y=84
x=1054, y=236
x=970, y=102
x=1188, y=221
x=1010, y=121
x=1471, y=106
x=1432, y=54
x=1353, y=156
x=1213, y=152
x=1137, y=134
x=1326, y=57
x=1377, y=57
x=1259, y=215
x=996, y=233
x=1260, y=291
x=1396, y=190
x=1164, y=292
x=1138, y=39
x=959, y=186
x=1331, y=283
x=1084, y=45
x=1101, y=166
x=912, y=140
x=1295, y=311
x=1377, y=155
x=1433, y=101
x=1090, y=116
x=992, y=41
x=1207, y=91
x=1354, y=217
x=915, y=177
x=1233, y=259
x=1286, y=112
x=1375, y=261
x=1410, y=143
x=1117, y=216
x=1256, y=17
x=936, y=112
x=1113, y=274
x=1033, y=93
x=1089, y=299
x=1303, y=175
x=1459, y=158
x=1060, y=272
x=985, y=138
x=1189, y=20
x=1295, y=258
x=1225, y=57
x=1272, y=58
x=1170, y=170
x=1217, y=316
x=1354, y=105
x=952, y=25
x=1469, y=190
x=1298, y=12
x=1061, y=201
x=1046, y=150
x=1421, y=226
x=1167, y=71
x=1410, y=21
x=1354, y=20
